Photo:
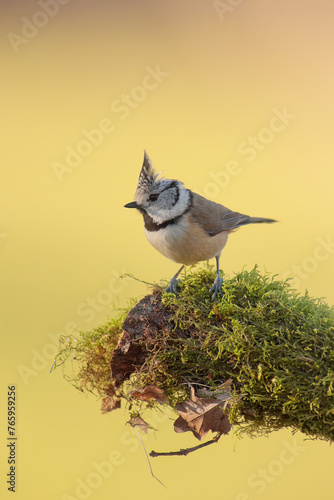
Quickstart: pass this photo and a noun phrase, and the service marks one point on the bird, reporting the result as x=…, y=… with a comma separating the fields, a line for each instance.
x=182, y=225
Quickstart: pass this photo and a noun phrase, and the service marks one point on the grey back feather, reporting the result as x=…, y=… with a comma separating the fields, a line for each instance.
x=215, y=218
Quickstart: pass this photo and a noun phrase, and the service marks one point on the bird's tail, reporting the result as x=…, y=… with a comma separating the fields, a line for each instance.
x=245, y=219
x=257, y=220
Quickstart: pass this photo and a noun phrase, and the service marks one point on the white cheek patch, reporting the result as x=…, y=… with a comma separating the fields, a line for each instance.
x=162, y=215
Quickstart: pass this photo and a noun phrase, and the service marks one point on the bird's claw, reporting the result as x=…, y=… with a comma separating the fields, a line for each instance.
x=217, y=287
x=172, y=287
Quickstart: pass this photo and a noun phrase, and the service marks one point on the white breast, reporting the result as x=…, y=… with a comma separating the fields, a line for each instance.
x=168, y=239
x=185, y=242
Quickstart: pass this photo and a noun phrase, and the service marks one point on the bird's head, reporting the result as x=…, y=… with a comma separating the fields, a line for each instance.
x=162, y=199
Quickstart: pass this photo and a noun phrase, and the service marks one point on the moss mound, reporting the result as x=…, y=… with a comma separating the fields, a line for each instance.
x=276, y=346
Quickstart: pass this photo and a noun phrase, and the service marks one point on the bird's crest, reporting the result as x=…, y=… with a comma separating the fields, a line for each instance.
x=148, y=176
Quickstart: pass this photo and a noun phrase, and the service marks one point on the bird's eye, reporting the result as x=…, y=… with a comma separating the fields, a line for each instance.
x=153, y=197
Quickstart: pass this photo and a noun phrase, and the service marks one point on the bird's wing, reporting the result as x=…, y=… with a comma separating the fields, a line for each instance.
x=215, y=218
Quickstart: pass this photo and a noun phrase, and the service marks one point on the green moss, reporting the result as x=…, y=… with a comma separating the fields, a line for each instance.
x=276, y=346
x=85, y=358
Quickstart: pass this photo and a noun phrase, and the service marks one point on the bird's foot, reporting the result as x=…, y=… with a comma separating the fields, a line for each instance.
x=217, y=287
x=172, y=287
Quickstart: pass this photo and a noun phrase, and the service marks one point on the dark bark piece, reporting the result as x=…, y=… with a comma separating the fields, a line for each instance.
x=145, y=320
x=123, y=365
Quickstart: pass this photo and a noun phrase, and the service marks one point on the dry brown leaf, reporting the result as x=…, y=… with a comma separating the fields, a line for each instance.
x=216, y=421
x=139, y=422
x=201, y=415
x=110, y=403
x=180, y=425
x=149, y=392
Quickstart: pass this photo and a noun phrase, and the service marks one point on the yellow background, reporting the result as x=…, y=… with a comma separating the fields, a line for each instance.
x=64, y=240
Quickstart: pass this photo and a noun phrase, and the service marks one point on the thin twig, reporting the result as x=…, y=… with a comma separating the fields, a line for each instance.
x=147, y=457
x=184, y=451
x=127, y=275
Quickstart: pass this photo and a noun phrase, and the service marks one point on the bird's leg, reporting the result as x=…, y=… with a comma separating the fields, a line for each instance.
x=172, y=287
x=217, y=284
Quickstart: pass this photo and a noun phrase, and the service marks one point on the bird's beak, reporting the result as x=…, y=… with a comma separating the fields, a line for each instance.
x=133, y=204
